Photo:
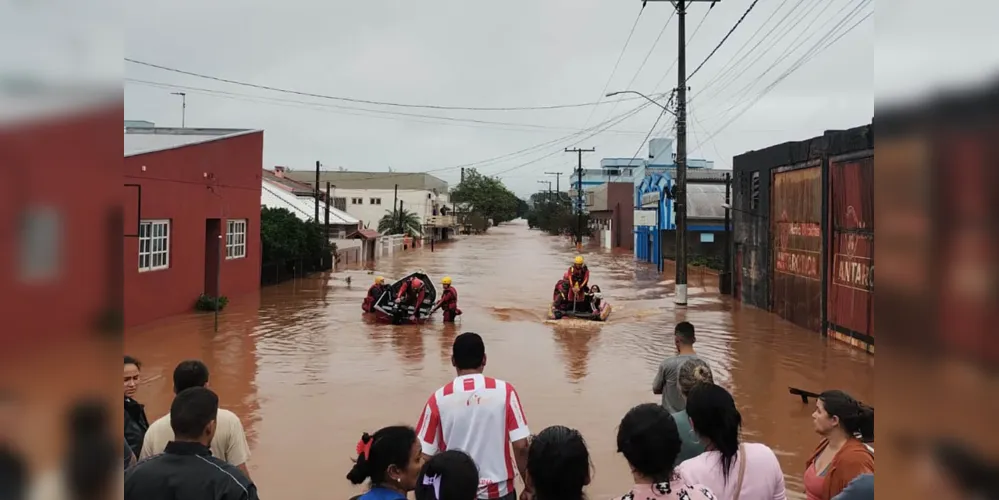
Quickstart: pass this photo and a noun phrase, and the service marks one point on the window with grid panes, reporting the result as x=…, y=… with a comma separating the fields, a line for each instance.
x=154, y=245
x=235, y=239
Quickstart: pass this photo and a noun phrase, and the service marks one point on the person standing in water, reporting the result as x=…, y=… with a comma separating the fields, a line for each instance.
x=665, y=381
x=448, y=301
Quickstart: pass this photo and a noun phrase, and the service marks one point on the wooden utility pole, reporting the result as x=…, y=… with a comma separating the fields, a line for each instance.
x=558, y=178
x=579, y=193
x=680, y=199
x=316, y=219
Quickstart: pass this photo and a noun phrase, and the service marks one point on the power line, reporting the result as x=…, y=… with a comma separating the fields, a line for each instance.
x=620, y=55
x=392, y=114
x=737, y=23
x=366, y=101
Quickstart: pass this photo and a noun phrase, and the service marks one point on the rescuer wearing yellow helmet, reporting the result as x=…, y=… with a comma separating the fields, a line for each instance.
x=374, y=293
x=579, y=279
x=448, y=301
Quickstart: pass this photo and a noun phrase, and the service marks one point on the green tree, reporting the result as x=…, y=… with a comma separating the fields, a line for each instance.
x=486, y=196
x=555, y=215
x=390, y=223
x=284, y=236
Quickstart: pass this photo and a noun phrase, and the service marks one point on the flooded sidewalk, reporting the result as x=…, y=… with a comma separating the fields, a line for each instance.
x=308, y=374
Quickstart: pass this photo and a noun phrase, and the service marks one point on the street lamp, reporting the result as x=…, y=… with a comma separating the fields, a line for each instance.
x=647, y=98
x=183, y=110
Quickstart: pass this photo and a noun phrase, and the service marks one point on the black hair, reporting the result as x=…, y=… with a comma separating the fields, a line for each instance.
x=189, y=373
x=855, y=417
x=457, y=475
x=559, y=464
x=389, y=446
x=968, y=469
x=129, y=360
x=92, y=455
x=715, y=418
x=649, y=440
x=685, y=332
x=468, y=351
x=192, y=410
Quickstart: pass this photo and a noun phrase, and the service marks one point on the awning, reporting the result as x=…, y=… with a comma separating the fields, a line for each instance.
x=364, y=234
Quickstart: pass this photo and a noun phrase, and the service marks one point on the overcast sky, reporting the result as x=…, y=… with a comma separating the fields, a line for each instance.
x=515, y=53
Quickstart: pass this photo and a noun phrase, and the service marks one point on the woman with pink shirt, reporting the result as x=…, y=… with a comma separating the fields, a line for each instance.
x=732, y=470
x=648, y=439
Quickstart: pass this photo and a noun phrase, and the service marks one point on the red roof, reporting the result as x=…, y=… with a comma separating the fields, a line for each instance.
x=365, y=234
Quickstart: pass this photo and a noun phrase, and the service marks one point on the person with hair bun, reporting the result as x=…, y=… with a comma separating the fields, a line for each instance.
x=391, y=458
x=694, y=371
x=558, y=464
x=845, y=424
x=450, y=475
x=730, y=468
x=648, y=439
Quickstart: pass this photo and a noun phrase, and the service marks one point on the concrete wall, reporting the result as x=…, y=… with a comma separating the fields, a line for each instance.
x=370, y=205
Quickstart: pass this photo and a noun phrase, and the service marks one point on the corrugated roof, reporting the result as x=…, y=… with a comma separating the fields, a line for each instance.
x=143, y=140
x=274, y=196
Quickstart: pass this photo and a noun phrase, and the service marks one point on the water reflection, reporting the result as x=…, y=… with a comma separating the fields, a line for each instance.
x=308, y=373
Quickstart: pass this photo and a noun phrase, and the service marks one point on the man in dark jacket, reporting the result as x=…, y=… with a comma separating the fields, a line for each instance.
x=136, y=422
x=187, y=469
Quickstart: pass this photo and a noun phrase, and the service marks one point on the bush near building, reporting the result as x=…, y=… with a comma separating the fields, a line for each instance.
x=285, y=237
x=555, y=215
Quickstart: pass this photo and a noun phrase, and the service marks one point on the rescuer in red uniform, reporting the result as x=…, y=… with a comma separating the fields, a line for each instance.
x=374, y=293
x=448, y=301
x=411, y=293
x=560, y=297
x=579, y=279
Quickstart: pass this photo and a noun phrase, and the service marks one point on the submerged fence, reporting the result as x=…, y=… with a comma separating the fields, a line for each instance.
x=272, y=273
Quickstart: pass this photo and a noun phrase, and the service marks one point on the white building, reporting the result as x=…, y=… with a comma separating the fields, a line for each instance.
x=369, y=196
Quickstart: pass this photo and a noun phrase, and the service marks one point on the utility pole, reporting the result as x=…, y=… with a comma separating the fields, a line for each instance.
x=395, y=206
x=728, y=279
x=579, y=193
x=558, y=178
x=316, y=219
x=680, y=199
x=549, y=189
x=183, y=108
x=462, y=174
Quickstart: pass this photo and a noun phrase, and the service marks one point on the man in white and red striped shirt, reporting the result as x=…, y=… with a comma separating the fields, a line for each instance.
x=481, y=416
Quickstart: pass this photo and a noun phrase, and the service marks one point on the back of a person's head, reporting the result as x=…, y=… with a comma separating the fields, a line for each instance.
x=649, y=440
x=855, y=418
x=694, y=371
x=684, y=331
x=450, y=475
x=189, y=373
x=191, y=412
x=378, y=452
x=714, y=416
x=468, y=351
x=559, y=464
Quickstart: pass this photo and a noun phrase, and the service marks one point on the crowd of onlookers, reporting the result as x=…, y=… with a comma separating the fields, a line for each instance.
x=472, y=440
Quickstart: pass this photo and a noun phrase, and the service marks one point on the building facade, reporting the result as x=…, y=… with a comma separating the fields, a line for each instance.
x=192, y=218
x=612, y=215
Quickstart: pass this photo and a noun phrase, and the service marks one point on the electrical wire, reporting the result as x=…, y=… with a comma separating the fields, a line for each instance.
x=617, y=63
x=816, y=49
x=452, y=121
x=737, y=23
x=366, y=101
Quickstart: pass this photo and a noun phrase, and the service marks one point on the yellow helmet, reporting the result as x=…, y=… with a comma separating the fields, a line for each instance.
x=379, y=280
x=579, y=260
x=446, y=280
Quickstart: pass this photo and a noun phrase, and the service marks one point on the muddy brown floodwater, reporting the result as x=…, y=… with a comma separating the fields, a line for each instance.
x=308, y=374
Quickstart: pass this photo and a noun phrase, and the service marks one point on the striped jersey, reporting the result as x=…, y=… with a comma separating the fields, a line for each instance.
x=481, y=416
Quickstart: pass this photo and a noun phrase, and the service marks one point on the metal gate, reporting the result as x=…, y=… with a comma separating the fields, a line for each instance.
x=850, y=304
x=796, y=232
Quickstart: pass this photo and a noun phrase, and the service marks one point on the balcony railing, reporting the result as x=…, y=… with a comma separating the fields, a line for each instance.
x=441, y=221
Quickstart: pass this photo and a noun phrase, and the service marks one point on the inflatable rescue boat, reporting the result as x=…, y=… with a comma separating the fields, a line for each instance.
x=385, y=308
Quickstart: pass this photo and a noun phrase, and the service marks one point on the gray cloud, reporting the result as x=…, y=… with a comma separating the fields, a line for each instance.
x=514, y=53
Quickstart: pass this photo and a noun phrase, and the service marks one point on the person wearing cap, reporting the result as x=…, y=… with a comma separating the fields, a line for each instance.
x=448, y=301
x=579, y=279
x=374, y=293
x=411, y=293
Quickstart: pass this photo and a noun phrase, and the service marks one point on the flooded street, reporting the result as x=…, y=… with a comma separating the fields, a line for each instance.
x=308, y=374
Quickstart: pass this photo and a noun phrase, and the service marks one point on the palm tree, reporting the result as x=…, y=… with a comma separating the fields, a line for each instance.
x=392, y=223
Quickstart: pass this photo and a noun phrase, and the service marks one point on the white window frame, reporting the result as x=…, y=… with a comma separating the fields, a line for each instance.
x=357, y=201
x=235, y=238
x=154, y=245
x=375, y=201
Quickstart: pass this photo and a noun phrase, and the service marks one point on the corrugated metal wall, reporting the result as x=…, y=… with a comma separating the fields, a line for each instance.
x=850, y=307
x=783, y=234
x=796, y=233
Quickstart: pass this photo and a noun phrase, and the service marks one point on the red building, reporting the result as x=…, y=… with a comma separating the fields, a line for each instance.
x=192, y=218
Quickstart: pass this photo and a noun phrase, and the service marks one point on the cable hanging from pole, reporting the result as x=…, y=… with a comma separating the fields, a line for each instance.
x=737, y=23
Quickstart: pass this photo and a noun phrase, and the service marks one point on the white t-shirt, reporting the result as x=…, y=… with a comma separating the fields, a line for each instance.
x=481, y=416
x=229, y=443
